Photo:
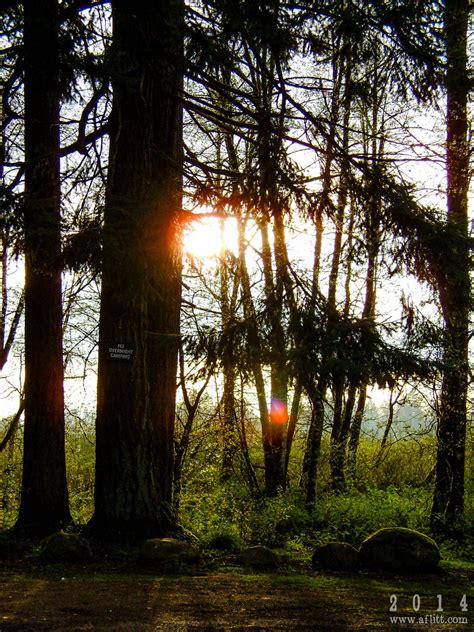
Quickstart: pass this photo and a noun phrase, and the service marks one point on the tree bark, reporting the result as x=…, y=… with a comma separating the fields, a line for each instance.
x=229, y=430
x=44, y=498
x=275, y=477
x=292, y=420
x=141, y=283
x=316, y=394
x=354, y=434
x=339, y=442
x=454, y=290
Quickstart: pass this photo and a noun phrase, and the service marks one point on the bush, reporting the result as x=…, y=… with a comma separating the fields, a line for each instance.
x=224, y=542
x=80, y=463
x=353, y=516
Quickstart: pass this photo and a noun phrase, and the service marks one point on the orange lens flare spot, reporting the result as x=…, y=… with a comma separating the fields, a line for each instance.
x=278, y=412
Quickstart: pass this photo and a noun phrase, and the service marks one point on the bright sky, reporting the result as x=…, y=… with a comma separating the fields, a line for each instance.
x=204, y=238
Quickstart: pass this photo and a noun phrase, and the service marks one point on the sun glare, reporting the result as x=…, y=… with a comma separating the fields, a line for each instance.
x=278, y=412
x=206, y=238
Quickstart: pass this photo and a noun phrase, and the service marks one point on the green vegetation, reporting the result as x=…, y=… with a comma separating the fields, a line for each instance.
x=396, y=491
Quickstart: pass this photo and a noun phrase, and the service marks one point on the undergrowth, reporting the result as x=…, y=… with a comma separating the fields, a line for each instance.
x=393, y=491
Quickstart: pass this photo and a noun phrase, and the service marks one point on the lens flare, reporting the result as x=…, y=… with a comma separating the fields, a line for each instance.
x=278, y=412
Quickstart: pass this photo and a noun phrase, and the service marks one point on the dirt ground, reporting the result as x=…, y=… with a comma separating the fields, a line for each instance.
x=73, y=599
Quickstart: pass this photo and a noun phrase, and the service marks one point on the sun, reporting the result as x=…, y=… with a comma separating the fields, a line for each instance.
x=206, y=238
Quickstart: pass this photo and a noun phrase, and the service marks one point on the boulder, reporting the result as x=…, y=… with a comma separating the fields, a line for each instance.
x=335, y=556
x=65, y=547
x=169, y=549
x=399, y=550
x=259, y=557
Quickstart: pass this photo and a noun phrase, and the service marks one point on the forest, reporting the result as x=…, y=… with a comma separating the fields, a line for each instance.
x=236, y=268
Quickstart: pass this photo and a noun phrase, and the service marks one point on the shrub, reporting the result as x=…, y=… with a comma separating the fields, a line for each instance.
x=224, y=542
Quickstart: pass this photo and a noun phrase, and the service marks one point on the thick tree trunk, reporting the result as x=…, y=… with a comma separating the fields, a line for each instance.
x=448, y=501
x=44, y=499
x=141, y=284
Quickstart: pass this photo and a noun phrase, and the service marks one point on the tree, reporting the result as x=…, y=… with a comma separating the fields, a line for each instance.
x=228, y=299
x=44, y=499
x=454, y=286
x=140, y=301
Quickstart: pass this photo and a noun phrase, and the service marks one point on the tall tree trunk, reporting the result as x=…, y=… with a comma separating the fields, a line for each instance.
x=316, y=394
x=337, y=445
x=44, y=499
x=368, y=314
x=255, y=353
x=316, y=391
x=354, y=433
x=374, y=146
x=141, y=281
x=229, y=430
x=316, y=387
x=254, y=486
x=285, y=292
x=448, y=500
x=338, y=448
x=292, y=420
x=276, y=479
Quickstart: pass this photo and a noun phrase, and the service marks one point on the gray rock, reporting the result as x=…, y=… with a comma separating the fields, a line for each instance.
x=260, y=557
x=336, y=556
x=166, y=549
x=399, y=550
x=65, y=547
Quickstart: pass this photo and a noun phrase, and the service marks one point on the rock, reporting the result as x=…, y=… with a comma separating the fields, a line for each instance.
x=166, y=549
x=65, y=547
x=335, y=556
x=399, y=550
x=258, y=557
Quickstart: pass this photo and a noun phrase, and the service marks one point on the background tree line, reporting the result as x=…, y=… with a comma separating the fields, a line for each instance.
x=121, y=126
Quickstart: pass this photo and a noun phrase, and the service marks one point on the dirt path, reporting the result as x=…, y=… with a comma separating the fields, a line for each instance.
x=77, y=601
